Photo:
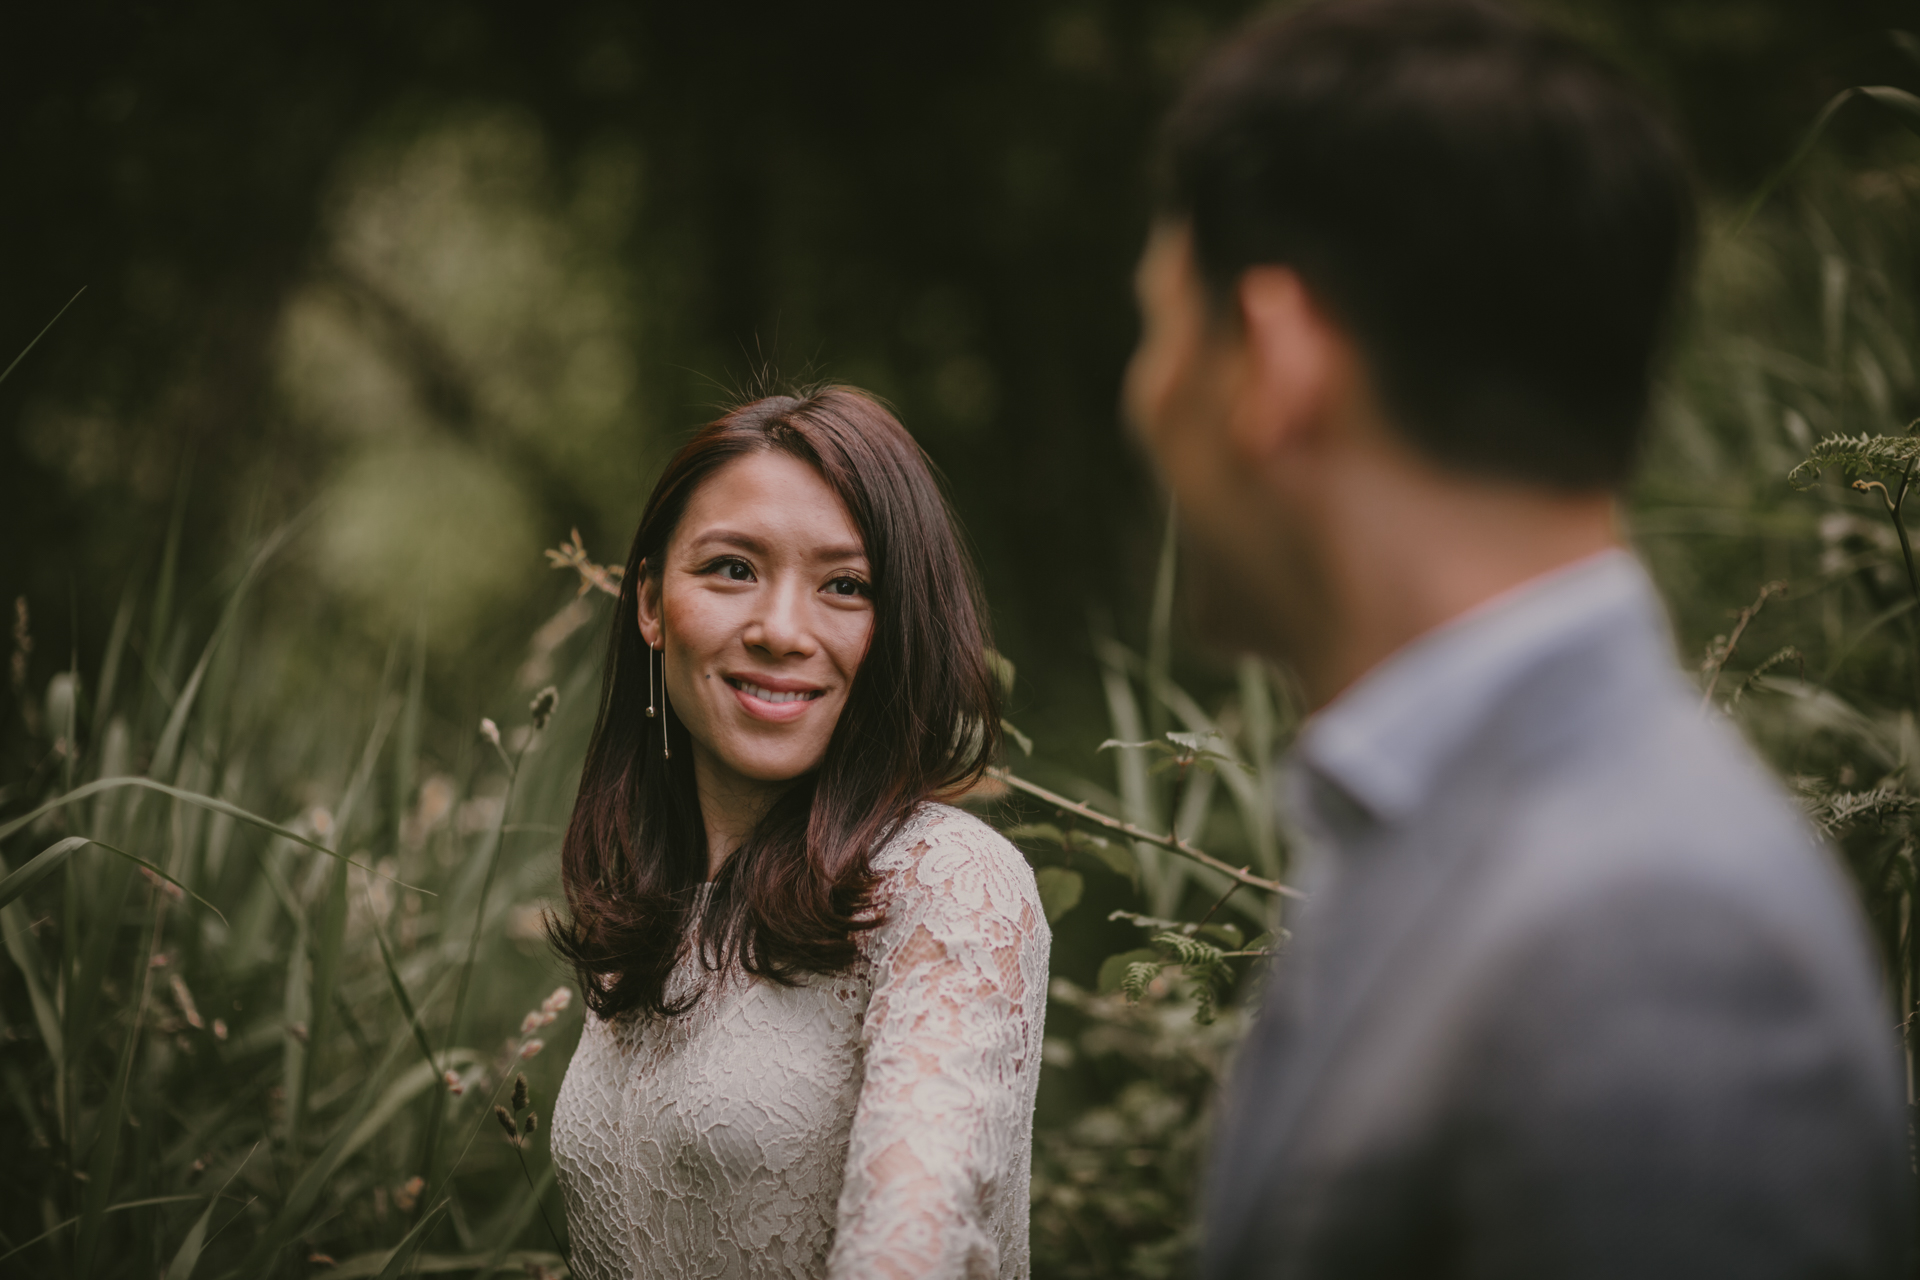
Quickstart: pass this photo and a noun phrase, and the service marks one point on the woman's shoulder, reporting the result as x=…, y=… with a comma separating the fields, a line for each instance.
x=951, y=853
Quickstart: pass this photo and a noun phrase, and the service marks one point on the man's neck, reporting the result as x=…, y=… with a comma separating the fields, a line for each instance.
x=1425, y=548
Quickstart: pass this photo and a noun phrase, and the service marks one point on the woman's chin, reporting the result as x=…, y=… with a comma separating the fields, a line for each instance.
x=769, y=768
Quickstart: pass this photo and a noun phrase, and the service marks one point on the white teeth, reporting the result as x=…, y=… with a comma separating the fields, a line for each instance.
x=768, y=695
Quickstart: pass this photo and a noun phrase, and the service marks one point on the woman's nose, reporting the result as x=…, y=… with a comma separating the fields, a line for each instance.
x=780, y=627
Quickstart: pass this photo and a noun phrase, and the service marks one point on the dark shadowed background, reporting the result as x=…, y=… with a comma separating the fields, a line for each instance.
x=460, y=273
x=405, y=293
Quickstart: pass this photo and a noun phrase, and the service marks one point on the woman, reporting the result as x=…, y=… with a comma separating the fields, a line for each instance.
x=815, y=992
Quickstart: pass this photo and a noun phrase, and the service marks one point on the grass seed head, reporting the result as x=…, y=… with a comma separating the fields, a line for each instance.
x=542, y=706
x=506, y=1122
x=519, y=1094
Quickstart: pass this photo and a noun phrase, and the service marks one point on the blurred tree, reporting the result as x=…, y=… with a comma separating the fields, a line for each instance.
x=941, y=204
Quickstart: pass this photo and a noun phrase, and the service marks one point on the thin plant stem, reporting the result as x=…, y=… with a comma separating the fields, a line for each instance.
x=519, y=1152
x=1718, y=663
x=1170, y=841
x=1219, y=903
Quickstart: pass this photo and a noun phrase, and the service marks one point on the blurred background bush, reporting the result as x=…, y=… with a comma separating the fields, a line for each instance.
x=380, y=301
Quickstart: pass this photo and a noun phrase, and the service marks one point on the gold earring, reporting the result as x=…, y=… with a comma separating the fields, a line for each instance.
x=666, y=752
x=649, y=682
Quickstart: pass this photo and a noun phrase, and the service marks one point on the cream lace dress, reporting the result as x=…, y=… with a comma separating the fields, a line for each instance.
x=874, y=1124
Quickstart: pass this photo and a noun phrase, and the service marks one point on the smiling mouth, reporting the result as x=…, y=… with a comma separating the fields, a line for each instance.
x=753, y=690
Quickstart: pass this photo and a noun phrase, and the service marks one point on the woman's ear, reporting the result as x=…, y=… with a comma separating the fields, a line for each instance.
x=648, y=595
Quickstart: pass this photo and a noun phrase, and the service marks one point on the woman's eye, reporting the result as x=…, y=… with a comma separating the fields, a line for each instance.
x=731, y=568
x=847, y=587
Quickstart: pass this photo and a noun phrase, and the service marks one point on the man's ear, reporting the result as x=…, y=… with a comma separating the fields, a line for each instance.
x=648, y=595
x=1296, y=359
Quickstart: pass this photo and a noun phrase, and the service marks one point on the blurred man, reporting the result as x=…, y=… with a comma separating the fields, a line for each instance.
x=1575, y=993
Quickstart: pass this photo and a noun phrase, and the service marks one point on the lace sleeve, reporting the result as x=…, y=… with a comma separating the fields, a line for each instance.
x=938, y=1161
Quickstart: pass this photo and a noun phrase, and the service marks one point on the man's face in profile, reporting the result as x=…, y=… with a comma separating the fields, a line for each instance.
x=1185, y=385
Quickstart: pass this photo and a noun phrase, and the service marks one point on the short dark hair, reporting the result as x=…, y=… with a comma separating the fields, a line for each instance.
x=1489, y=210
x=921, y=720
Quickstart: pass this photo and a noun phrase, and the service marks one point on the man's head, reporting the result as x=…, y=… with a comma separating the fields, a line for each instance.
x=1424, y=226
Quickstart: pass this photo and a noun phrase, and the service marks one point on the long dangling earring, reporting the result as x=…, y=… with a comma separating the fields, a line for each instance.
x=666, y=752
x=649, y=682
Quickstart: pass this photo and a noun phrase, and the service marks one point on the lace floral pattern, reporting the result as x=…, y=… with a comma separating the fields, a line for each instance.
x=872, y=1123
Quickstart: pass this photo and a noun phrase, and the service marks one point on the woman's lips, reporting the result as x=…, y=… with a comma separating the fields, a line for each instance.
x=778, y=705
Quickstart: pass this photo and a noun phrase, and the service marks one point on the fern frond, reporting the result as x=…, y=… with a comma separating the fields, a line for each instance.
x=1856, y=455
x=1140, y=975
x=1833, y=810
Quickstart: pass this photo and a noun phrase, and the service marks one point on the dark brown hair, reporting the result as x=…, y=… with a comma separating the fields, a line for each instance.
x=921, y=719
x=1490, y=210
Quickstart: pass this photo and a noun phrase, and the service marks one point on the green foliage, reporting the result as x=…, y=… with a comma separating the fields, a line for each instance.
x=266, y=972
x=237, y=1052
x=1856, y=456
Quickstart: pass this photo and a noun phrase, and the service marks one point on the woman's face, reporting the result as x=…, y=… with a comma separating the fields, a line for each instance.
x=765, y=602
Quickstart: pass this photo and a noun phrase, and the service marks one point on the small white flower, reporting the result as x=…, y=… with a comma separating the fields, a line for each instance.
x=532, y=1023
x=560, y=999
x=489, y=730
x=532, y=1047
x=454, y=1086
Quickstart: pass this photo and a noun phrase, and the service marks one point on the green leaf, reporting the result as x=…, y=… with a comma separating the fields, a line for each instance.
x=1139, y=976
x=1060, y=890
x=1002, y=671
x=399, y=987
x=1151, y=744
x=50, y=858
x=1146, y=922
x=367, y=1265
x=204, y=802
x=1228, y=936
x=1899, y=101
x=1113, y=971
x=397, y=1262
x=1856, y=455
x=1118, y=858
x=188, y=1255
x=57, y=1228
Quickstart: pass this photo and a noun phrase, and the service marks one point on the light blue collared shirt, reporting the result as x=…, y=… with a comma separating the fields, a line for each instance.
x=1384, y=740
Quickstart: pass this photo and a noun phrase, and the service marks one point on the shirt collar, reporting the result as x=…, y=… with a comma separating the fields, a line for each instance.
x=1383, y=741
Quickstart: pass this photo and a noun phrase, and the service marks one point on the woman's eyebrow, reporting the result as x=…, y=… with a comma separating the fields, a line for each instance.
x=747, y=542
x=728, y=538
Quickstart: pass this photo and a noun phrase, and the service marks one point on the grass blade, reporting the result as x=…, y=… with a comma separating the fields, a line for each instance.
x=57, y=1228
x=399, y=987
x=43, y=333
x=1785, y=171
x=104, y=1159
x=25, y=954
x=110, y=662
x=187, y=1257
x=516, y=1222
x=165, y=753
x=213, y=803
x=409, y=1243
x=49, y=859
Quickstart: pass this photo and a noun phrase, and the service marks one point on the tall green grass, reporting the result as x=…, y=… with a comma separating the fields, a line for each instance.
x=270, y=968
x=267, y=1016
